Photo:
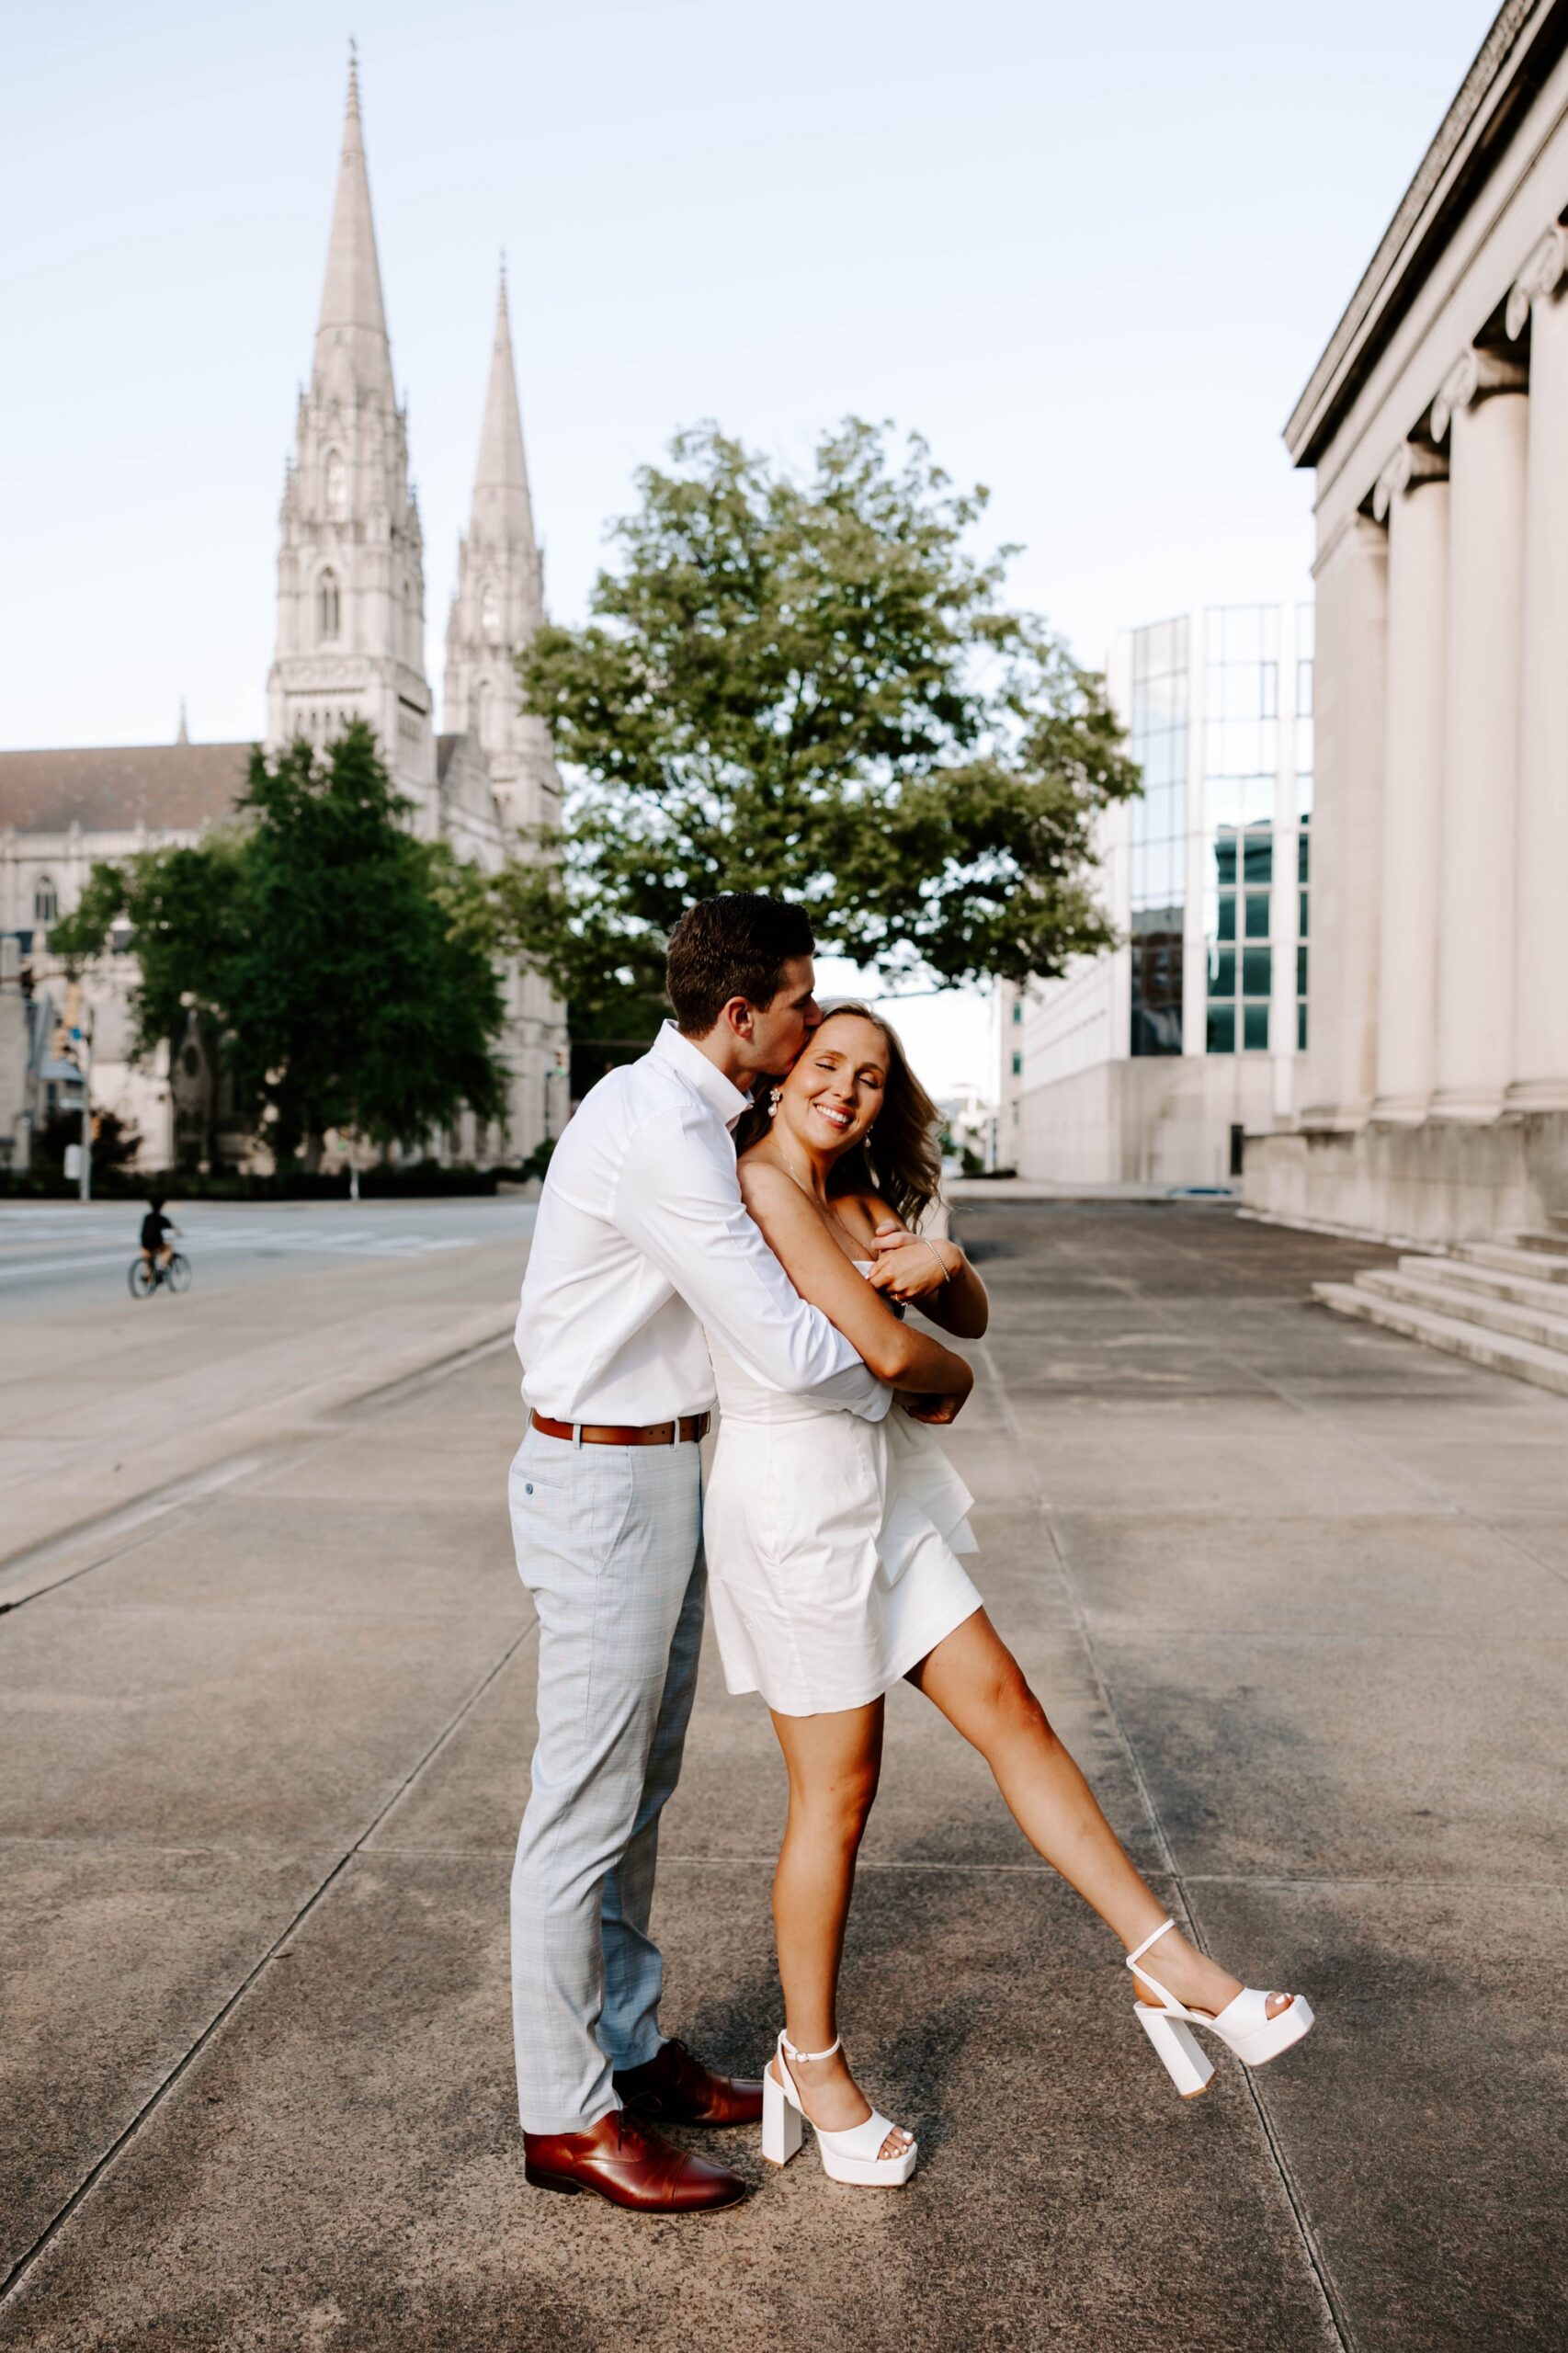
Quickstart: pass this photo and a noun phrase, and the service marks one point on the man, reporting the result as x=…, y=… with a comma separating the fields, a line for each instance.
x=156, y=1249
x=641, y=1239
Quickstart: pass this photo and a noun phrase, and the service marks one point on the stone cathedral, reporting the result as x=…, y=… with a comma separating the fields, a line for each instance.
x=351, y=643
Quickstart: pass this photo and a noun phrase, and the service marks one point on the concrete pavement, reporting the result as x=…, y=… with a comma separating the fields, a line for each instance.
x=296, y=1310
x=1295, y=1591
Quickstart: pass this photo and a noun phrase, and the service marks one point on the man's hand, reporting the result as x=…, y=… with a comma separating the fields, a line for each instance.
x=935, y=1411
x=908, y=1266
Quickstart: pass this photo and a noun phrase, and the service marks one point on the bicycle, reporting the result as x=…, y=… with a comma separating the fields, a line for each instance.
x=146, y=1276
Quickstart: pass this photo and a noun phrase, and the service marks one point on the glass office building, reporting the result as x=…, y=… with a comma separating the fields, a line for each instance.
x=1157, y=842
x=1219, y=720
x=1155, y=1063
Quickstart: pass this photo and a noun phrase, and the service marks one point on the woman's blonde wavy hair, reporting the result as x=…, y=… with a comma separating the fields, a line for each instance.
x=898, y=1157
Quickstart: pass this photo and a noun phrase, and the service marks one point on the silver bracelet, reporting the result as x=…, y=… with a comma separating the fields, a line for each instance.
x=947, y=1272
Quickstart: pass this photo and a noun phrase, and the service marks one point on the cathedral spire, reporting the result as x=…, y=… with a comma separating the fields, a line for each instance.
x=353, y=322
x=499, y=602
x=503, y=511
x=351, y=637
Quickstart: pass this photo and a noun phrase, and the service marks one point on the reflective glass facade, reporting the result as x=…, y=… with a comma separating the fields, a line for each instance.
x=1243, y=680
x=1241, y=772
x=1157, y=835
x=1258, y=756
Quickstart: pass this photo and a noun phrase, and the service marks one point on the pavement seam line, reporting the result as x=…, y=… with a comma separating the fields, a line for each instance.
x=1311, y=1409
x=183, y=1487
x=1317, y=2263
x=139, y=1520
x=155, y=2099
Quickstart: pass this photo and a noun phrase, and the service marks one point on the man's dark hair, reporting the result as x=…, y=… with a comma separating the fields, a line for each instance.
x=735, y=944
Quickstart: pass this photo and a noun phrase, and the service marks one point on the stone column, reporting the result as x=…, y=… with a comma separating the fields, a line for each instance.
x=1540, y=1072
x=1413, y=495
x=1481, y=412
x=1346, y=828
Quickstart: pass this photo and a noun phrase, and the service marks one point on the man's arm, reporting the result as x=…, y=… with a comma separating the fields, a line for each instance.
x=678, y=1200
x=820, y=1272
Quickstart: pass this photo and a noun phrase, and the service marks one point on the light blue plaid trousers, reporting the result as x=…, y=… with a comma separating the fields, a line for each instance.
x=609, y=1544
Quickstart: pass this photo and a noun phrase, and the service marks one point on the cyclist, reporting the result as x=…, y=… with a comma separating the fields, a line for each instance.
x=154, y=1226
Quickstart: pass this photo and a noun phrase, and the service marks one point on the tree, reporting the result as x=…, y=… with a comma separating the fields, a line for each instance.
x=348, y=968
x=812, y=689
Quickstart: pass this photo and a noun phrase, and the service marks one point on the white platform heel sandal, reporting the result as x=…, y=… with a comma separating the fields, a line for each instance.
x=853, y=2155
x=1243, y=2025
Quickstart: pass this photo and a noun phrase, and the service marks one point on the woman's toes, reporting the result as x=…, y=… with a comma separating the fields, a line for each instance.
x=1279, y=2003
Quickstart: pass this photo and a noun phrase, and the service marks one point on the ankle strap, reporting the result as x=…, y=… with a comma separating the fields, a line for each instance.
x=1142, y=1974
x=1139, y=1950
x=790, y=2051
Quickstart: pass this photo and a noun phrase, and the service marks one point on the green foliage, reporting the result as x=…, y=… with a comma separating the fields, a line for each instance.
x=185, y=908
x=812, y=688
x=347, y=967
x=116, y=1143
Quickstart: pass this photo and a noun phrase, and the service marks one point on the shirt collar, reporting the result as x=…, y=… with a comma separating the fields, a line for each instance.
x=701, y=1075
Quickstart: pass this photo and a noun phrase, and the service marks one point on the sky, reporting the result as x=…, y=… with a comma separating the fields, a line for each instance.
x=1092, y=254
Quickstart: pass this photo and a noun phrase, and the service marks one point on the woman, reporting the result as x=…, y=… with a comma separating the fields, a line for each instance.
x=833, y=1559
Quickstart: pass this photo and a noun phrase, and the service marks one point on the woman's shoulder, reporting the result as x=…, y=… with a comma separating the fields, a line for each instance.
x=762, y=1179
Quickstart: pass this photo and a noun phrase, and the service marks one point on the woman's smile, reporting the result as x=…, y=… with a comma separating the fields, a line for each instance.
x=837, y=1115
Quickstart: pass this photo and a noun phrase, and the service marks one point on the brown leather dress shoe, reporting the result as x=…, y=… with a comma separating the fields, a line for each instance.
x=678, y=2089
x=623, y=2160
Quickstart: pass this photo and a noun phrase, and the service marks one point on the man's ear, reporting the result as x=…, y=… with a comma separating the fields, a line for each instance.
x=738, y=1016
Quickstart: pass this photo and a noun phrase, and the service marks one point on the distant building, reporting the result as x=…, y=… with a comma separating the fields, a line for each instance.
x=350, y=645
x=1148, y=1064
x=1436, y=1101
x=36, y=1080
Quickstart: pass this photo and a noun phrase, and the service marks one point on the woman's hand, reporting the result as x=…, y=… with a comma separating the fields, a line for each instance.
x=910, y=1268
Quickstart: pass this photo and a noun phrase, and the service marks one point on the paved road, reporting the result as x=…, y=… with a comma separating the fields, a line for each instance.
x=63, y=1251
x=106, y=1400
x=1295, y=1591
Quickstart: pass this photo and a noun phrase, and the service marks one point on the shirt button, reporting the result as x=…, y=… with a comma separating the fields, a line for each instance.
x=529, y=1487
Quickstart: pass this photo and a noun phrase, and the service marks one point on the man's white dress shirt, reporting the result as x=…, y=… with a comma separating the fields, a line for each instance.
x=641, y=1240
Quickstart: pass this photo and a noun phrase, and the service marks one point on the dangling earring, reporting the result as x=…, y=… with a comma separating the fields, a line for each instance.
x=773, y=1102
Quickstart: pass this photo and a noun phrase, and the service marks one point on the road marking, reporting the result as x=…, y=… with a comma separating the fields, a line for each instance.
x=369, y=1245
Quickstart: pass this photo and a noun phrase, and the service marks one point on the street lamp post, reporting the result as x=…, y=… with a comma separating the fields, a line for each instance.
x=82, y=1037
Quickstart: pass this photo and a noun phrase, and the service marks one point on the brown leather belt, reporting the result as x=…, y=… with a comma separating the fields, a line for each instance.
x=690, y=1428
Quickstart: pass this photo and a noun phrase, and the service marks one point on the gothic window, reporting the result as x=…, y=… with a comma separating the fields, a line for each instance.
x=336, y=485
x=481, y=708
x=46, y=901
x=489, y=610
x=328, y=608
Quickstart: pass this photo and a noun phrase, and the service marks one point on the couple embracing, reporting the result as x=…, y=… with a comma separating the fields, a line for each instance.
x=736, y=1219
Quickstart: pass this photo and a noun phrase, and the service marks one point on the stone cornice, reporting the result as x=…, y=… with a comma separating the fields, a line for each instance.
x=1517, y=28
x=1541, y=275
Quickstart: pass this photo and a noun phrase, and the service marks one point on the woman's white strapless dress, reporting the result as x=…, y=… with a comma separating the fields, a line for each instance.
x=832, y=1545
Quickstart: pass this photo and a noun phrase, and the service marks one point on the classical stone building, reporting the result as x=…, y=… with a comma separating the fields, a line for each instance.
x=1436, y=1097
x=1148, y=1065
x=351, y=643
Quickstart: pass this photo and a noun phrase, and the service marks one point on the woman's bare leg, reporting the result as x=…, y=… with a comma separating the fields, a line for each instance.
x=977, y=1683
x=833, y=1761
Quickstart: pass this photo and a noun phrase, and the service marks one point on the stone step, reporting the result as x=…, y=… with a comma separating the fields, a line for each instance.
x=1524, y=1291
x=1547, y=1368
x=1511, y=1261
x=1538, y=1237
x=1546, y=1326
